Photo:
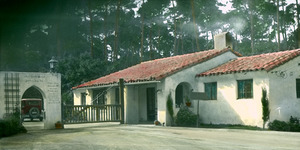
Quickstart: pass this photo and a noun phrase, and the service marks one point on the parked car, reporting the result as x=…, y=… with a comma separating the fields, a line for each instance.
x=32, y=109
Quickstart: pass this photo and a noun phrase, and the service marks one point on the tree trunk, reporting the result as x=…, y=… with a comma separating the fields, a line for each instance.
x=158, y=40
x=181, y=37
x=151, y=46
x=116, y=44
x=91, y=28
x=142, y=35
x=283, y=28
x=252, y=26
x=195, y=25
x=298, y=25
x=175, y=32
x=105, y=34
x=57, y=22
x=175, y=39
x=278, y=26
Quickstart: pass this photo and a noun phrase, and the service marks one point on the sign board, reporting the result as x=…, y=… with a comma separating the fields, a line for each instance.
x=199, y=96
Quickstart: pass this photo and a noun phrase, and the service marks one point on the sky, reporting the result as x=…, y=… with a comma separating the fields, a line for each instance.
x=228, y=7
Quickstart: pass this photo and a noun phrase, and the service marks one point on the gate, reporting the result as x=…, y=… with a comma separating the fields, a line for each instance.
x=91, y=113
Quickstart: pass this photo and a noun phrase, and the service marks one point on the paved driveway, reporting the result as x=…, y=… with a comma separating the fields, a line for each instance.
x=115, y=136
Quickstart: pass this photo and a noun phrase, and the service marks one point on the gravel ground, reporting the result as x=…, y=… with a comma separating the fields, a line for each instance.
x=115, y=136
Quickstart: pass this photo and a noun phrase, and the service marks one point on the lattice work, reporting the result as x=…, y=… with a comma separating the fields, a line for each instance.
x=12, y=95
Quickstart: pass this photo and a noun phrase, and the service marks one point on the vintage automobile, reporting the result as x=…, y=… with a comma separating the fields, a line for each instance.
x=32, y=109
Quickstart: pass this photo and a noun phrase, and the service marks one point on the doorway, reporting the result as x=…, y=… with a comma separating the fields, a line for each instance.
x=32, y=105
x=151, y=104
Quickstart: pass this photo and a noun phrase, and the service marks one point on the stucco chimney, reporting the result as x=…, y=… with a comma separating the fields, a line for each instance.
x=223, y=40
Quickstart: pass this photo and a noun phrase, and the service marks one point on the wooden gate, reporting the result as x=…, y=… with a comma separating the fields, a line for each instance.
x=91, y=113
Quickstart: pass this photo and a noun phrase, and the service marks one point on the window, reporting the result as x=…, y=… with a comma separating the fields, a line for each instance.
x=83, y=98
x=211, y=90
x=298, y=87
x=245, y=89
x=99, y=97
x=179, y=95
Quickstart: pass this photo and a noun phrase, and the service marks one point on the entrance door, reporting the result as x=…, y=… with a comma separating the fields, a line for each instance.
x=151, y=104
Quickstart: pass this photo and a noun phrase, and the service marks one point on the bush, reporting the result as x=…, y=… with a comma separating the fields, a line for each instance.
x=293, y=125
x=170, y=106
x=279, y=126
x=11, y=125
x=186, y=118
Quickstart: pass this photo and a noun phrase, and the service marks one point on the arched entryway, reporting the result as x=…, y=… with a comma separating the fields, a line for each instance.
x=32, y=104
x=182, y=92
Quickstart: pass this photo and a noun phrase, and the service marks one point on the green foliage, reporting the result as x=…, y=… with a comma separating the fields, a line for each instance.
x=229, y=126
x=64, y=28
x=78, y=70
x=293, y=125
x=170, y=106
x=11, y=125
x=186, y=118
x=265, y=107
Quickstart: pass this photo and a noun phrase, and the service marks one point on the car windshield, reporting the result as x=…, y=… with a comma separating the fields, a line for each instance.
x=33, y=102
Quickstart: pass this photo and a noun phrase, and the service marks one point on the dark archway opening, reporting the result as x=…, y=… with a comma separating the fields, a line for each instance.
x=32, y=104
x=182, y=92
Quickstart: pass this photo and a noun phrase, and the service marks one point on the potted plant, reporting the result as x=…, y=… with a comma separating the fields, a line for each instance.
x=59, y=125
x=187, y=101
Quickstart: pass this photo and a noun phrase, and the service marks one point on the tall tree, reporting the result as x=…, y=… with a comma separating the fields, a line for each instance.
x=91, y=27
x=116, y=38
x=251, y=8
x=195, y=25
x=142, y=35
x=278, y=25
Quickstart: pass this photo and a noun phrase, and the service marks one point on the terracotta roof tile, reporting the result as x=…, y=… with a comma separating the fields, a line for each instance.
x=266, y=62
x=155, y=70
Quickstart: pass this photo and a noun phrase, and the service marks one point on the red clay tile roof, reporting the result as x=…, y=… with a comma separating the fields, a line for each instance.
x=266, y=62
x=155, y=70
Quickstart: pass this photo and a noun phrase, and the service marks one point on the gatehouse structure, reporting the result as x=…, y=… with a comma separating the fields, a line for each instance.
x=15, y=86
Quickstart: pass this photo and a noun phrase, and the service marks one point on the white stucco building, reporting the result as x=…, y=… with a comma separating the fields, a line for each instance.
x=233, y=83
x=239, y=86
x=148, y=84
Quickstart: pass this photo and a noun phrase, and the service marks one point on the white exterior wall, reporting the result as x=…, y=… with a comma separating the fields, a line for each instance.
x=109, y=96
x=77, y=96
x=170, y=83
x=228, y=109
x=283, y=99
x=49, y=85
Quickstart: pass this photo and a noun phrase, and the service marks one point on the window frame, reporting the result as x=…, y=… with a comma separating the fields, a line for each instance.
x=213, y=87
x=244, y=94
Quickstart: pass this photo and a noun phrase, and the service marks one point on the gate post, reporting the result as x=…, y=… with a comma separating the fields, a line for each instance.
x=121, y=97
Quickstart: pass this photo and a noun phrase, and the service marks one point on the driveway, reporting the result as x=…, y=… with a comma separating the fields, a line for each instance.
x=116, y=136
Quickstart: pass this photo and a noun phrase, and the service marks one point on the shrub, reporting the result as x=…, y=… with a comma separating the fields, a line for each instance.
x=11, y=125
x=170, y=107
x=279, y=126
x=265, y=107
x=186, y=118
x=293, y=125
